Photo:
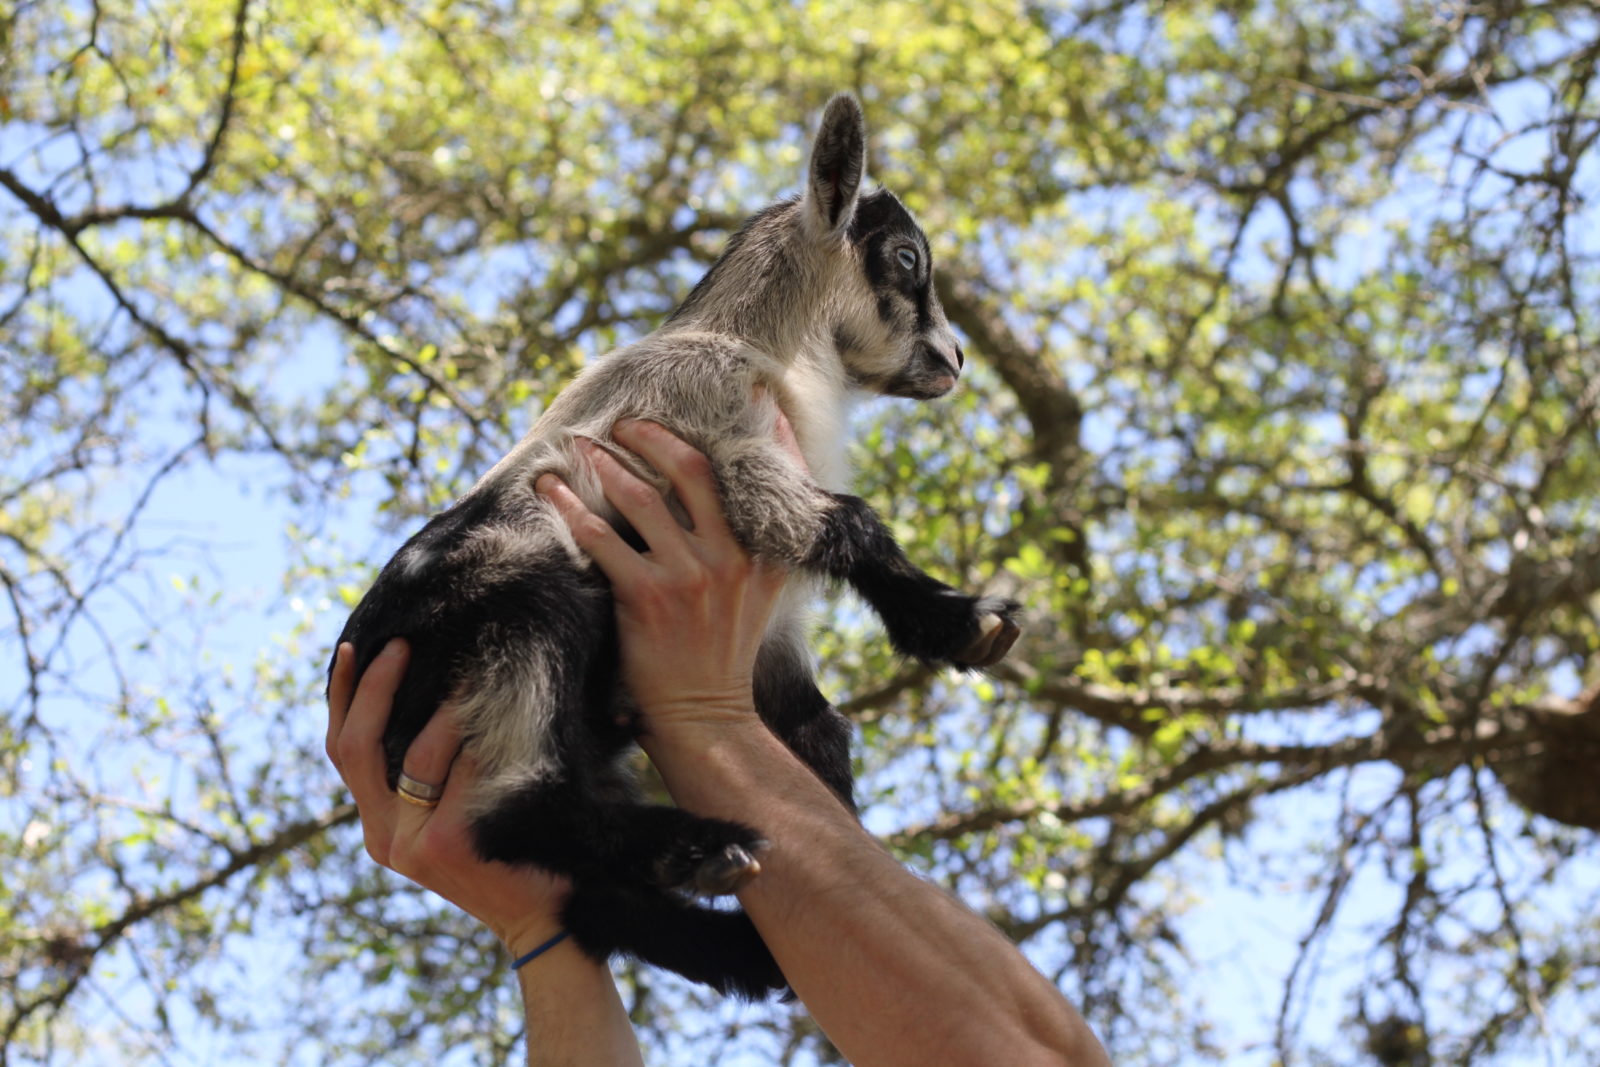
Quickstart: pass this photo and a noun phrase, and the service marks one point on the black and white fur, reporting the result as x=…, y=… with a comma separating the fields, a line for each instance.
x=815, y=298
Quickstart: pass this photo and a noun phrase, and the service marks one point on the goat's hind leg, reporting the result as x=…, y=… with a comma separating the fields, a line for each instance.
x=574, y=812
x=541, y=722
x=631, y=865
x=794, y=709
x=560, y=826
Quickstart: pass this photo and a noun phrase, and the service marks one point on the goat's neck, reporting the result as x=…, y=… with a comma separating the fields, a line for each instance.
x=808, y=377
x=815, y=394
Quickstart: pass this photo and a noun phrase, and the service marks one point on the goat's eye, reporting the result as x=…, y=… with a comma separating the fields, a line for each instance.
x=907, y=258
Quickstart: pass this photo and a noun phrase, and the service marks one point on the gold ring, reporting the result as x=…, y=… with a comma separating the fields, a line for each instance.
x=419, y=793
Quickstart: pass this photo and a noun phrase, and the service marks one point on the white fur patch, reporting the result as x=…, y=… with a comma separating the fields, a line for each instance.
x=506, y=717
x=815, y=395
x=791, y=615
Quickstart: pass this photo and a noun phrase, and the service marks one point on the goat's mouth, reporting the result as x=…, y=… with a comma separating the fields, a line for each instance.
x=930, y=376
x=939, y=385
x=939, y=369
x=929, y=373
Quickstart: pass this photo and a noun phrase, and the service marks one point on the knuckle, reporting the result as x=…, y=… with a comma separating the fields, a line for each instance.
x=733, y=570
x=437, y=739
x=421, y=758
x=694, y=581
x=637, y=494
x=695, y=464
x=403, y=861
x=434, y=842
x=652, y=599
x=590, y=529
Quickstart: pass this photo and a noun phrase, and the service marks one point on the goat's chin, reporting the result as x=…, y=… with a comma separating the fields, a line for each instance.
x=922, y=388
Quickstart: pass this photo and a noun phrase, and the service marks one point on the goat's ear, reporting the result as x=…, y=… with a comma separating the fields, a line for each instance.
x=837, y=160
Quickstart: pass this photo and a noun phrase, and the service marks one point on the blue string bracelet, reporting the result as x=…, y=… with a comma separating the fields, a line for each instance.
x=541, y=950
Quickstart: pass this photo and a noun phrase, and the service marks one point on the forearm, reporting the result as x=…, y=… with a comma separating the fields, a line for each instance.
x=575, y=1015
x=892, y=968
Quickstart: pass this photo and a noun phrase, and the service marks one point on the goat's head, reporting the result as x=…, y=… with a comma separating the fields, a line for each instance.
x=887, y=324
x=854, y=266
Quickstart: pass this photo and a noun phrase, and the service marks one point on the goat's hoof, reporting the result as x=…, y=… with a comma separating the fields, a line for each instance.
x=996, y=634
x=726, y=872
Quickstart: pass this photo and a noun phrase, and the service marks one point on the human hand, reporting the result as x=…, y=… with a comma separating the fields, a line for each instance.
x=692, y=610
x=429, y=845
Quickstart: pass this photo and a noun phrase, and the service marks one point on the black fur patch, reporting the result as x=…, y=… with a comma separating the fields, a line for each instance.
x=590, y=826
x=721, y=949
x=925, y=618
x=882, y=225
x=789, y=702
x=880, y=215
x=922, y=299
x=433, y=594
x=844, y=342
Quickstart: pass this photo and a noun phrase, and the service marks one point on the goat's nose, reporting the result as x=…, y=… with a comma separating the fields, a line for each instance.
x=961, y=359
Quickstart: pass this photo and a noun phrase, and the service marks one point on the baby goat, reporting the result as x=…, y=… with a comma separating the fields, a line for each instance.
x=814, y=298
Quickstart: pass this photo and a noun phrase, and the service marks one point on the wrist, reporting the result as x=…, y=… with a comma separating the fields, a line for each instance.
x=699, y=726
x=702, y=710
x=731, y=768
x=522, y=938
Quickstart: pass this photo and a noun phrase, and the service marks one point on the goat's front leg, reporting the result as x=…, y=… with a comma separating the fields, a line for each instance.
x=925, y=618
x=779, y=513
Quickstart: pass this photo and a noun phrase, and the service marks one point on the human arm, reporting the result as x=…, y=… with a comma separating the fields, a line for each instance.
x=892, y=968
x=574, y=1013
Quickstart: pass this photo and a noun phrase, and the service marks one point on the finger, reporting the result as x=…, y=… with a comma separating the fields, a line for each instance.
x=360, y=743
x=453, y=813
x=688, y=469
x=640, y=503
x=614, y=556
x=429, y=757
x=341, y=684
x=461, y=776
x=440, y=840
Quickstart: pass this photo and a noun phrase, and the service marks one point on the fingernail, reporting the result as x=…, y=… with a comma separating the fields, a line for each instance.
x=547, y=484
x=395, y=647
